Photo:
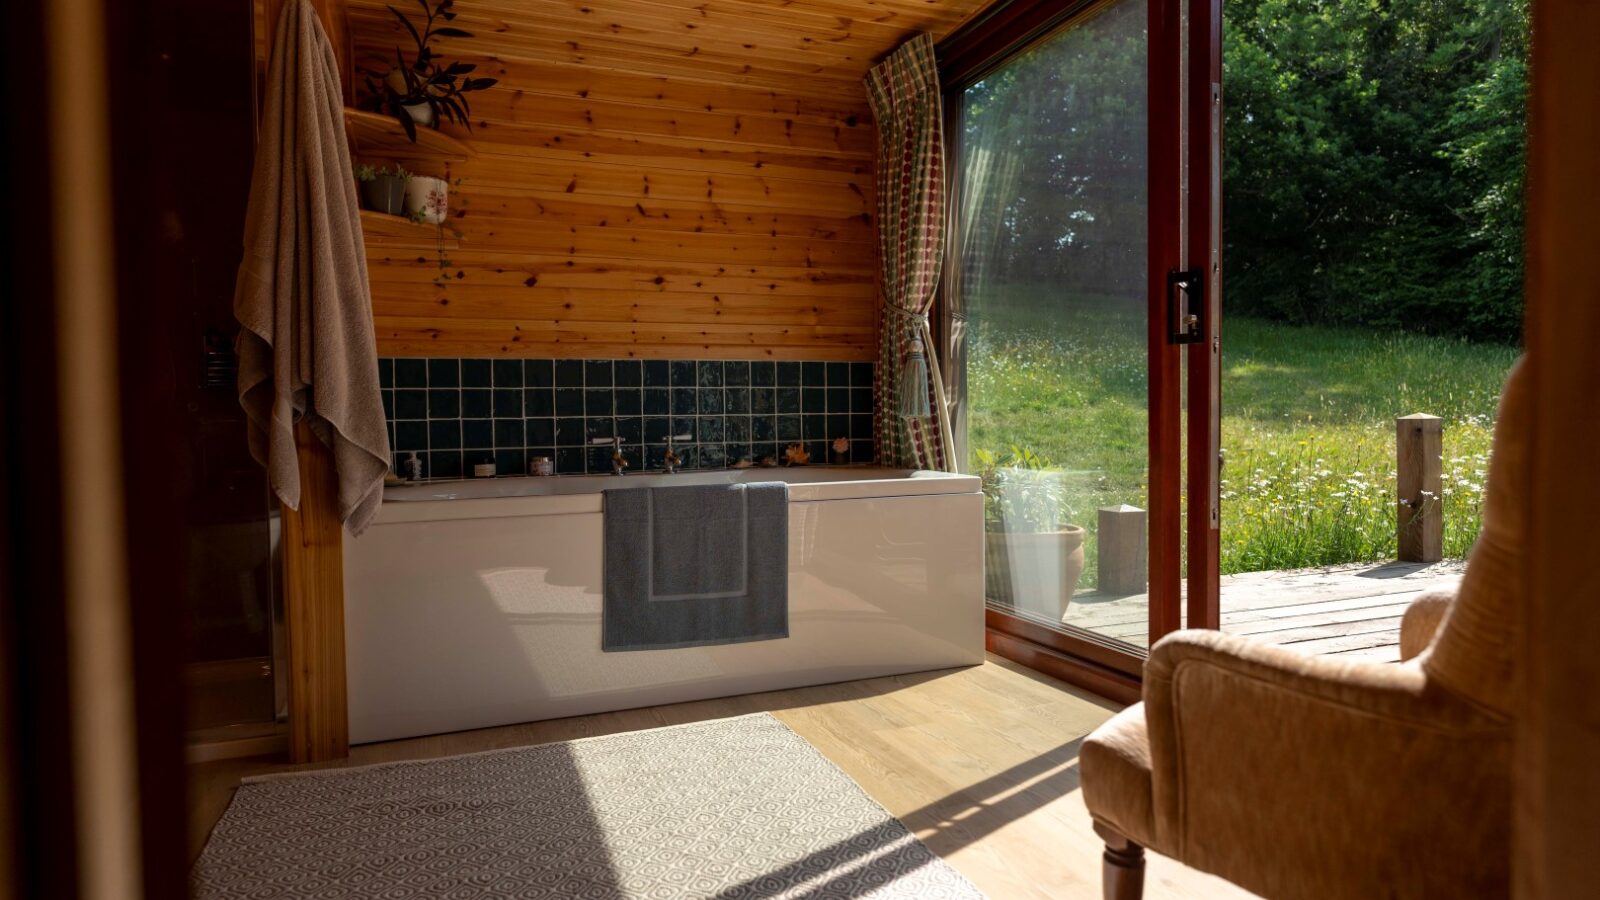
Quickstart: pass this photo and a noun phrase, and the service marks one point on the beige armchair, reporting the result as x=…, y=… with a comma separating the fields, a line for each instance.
x=1296, y=776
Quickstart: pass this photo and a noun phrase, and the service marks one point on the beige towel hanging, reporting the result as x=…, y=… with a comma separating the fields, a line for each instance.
x=307, y=346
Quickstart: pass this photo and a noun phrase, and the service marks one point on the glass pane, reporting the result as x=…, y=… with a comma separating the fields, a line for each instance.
x=1052, y=164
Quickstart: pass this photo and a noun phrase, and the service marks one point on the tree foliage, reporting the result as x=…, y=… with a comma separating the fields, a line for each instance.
x=1053, y=149
x=1373, y=162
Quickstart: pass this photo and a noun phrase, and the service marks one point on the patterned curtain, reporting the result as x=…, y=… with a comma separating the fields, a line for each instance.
x=911, y=416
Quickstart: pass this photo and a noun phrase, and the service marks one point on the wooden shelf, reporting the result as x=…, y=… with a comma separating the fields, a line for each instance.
x=379, y=137
x=384, y=230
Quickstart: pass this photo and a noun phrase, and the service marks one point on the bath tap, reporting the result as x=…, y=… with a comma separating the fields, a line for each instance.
x=672, y=460
x=618, y=461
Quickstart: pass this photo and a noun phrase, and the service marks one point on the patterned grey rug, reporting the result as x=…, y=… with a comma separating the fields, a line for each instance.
x=734, y=808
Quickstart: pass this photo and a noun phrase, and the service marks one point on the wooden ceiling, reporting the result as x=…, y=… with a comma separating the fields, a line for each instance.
x=667, y=178
x=811, y=46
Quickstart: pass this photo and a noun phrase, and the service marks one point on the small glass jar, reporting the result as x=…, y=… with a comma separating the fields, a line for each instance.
x=541, y=465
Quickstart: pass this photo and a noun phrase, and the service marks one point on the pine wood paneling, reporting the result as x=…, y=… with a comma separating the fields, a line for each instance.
x=313, y=596
x=667, y=178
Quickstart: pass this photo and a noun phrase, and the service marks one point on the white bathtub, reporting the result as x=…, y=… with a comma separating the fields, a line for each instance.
x=478, y=603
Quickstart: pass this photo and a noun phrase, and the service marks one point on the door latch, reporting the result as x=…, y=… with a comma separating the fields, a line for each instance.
x=1186, y=304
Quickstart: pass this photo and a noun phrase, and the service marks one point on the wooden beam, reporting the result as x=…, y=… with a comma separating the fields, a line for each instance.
x=313, y=542
x=313, y=598
x=1119, y=687
x=1556, y=785
x=335, y=22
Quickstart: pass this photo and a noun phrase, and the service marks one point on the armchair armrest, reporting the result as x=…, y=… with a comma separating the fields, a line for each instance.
x=1295, y=775
x=1421, y=621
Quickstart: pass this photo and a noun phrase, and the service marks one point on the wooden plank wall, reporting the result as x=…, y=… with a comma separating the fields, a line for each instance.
x=654, y=178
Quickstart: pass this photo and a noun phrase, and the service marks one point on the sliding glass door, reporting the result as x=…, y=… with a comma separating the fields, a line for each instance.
x=1070, y=302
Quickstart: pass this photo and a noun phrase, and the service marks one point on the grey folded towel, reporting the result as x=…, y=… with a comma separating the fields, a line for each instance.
x=696, y=565
x=699, y=542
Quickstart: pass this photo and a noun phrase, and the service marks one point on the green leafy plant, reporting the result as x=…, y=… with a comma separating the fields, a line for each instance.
x=424, y=80
x=1021, y=493
x=369, y=172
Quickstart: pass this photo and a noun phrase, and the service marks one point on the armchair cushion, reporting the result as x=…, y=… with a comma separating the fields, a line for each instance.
x=1118, y=755
x=1475, y=650
x=1421, y=622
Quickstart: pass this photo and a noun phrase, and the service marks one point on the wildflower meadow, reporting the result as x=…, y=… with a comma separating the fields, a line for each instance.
x=1308, y=428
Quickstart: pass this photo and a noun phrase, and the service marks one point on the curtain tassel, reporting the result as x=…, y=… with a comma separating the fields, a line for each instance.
x=914, y=383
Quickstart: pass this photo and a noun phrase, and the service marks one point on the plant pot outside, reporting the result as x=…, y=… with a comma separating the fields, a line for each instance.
x=427, y=199
x=1034, y=572
x=385, y=194
x=422, y=113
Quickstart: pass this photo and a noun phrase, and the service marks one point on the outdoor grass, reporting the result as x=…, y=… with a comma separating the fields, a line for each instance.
x=1308, y=430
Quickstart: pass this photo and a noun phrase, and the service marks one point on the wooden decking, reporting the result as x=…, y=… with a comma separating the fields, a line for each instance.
x=1346, y=611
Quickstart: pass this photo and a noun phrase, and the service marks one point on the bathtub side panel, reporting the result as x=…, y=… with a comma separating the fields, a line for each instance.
x=468, y=623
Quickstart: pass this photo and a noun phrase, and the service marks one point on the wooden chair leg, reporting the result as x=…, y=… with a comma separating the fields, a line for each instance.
x=1122, y=872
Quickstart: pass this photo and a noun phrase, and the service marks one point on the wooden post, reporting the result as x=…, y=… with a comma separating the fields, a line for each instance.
x=1120, y=550
x=335, y=24
x=1419, y=467
x=313, y=599
x=313, y=539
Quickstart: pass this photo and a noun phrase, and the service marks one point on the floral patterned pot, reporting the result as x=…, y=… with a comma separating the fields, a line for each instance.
x=427, y=199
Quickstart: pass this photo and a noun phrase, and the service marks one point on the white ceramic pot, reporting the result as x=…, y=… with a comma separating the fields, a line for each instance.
x=1035, y=573
x=422, y=113
x=428, y=196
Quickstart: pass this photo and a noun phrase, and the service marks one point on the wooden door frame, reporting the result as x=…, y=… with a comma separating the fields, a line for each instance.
x=1204, y=363
x=1166, y=254
x=1555, y=785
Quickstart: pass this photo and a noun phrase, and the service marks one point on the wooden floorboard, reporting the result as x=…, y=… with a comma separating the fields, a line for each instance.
x=1340, y=609
x=982, y=763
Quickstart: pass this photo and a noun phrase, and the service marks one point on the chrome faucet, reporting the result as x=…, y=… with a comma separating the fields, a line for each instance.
x=618, y=461
x=672, y=460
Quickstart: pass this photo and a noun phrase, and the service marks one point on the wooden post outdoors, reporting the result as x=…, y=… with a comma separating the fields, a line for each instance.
x=1120, y=550
x=1419, y=470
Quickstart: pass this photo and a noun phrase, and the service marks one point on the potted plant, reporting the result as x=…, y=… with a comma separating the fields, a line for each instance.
x=423, y=90
x=1033, y=556
x=427, y=202
x=427, y=199
x=382, y=190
